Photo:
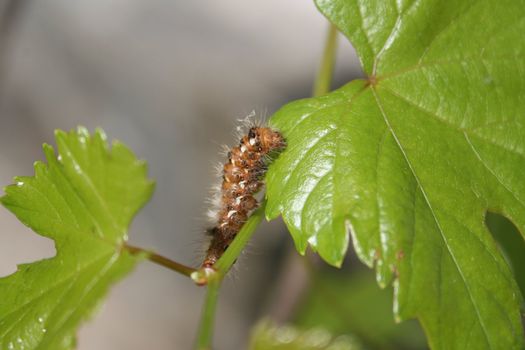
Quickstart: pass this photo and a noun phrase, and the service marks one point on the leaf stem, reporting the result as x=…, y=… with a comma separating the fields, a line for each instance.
x=323, y=81
x=161, y=260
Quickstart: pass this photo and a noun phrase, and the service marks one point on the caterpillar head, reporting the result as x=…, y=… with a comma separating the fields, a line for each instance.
x=267, y=139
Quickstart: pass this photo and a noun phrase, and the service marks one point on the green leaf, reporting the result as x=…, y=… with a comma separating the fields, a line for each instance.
x=267, y=336
x=410, y=159
x=84, y=201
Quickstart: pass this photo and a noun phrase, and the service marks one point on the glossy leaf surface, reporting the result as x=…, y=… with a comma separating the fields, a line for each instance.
x=410, y=159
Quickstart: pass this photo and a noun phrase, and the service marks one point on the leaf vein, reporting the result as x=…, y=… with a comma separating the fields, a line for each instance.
x=93, y=188
x=442, y=234
x=447, y=27
x=476, y=153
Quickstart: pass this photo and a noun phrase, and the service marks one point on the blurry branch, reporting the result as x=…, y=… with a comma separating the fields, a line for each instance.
x=323, y=83
x=11, y=11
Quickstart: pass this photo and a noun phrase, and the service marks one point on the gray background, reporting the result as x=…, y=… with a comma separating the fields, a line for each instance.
x=169, y=78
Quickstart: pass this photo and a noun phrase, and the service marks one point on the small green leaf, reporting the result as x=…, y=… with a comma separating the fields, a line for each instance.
x=84, y=200
x=410, y=160
x=266, y=336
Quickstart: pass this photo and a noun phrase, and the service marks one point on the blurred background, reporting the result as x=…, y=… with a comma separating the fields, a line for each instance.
x=170, y=79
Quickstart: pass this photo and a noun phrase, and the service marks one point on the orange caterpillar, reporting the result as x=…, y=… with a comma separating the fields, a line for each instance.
x=241, y=180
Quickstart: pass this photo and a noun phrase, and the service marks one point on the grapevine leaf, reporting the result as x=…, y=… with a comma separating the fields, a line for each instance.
x=84, y=200
x=410, y=159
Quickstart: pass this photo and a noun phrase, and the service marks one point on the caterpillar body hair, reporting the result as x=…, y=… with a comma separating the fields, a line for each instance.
x=241, y=179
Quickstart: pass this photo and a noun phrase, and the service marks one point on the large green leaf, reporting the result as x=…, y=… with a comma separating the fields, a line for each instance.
x=84, y=201
x=410, y=159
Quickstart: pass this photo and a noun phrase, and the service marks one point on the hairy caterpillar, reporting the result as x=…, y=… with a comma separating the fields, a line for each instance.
x=242, y=178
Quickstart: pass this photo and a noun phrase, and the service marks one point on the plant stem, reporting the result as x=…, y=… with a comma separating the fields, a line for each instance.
x=323, y=81
x=161, y=260
x=205, y=336
x=221, y=268
x=235, y=249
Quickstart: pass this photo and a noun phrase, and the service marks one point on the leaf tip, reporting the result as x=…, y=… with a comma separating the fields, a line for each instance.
x=39, y=168
x=270, y=215
x=82, y=130
x=335, y=261
x=49, y=151
x=59, y=134
x=100, y=133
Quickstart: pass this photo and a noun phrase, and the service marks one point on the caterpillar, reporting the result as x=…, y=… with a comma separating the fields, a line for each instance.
x=242, y=178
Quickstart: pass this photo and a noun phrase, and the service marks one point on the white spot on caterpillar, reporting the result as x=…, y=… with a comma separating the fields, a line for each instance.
x=252, y=141
x=231, y=213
